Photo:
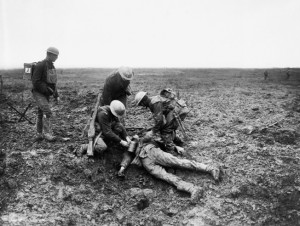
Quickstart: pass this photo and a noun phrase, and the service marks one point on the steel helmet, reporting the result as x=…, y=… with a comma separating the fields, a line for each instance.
x=53, y=50
x=138, y=97
x=126, y=73
x=117, y=108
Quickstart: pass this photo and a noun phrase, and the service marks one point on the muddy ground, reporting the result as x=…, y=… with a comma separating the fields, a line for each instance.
x=247, y=125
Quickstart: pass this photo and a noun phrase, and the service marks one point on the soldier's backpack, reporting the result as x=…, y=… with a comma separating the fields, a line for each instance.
x=179, y=105
x=28, y=70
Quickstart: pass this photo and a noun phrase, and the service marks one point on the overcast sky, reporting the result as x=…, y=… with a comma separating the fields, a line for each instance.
x=151, y=33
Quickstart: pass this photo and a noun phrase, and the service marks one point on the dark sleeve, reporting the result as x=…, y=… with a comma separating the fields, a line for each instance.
x=128, y=90
x=37, y=79
x=158, y=117
x=124, y=132
x=55, y=94
x=105, y=125
x=107, y=92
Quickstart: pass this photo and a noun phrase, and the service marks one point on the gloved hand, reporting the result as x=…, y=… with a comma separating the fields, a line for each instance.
x=180, y=150
x=124, y=143
x=128, y=140
x=121, y=172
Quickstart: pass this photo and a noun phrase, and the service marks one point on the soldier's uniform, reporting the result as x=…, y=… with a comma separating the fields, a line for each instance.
x=153, y=159
x=44, y=81
x=165, y=124
x=112, y=131
x=115, y=88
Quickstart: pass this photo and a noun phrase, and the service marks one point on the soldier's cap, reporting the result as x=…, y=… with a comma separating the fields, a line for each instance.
x=53, y=50
x=126, y=73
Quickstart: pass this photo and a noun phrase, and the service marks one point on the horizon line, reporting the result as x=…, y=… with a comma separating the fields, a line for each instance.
x=61, y=68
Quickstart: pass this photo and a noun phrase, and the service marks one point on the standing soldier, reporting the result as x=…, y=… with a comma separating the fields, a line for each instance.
x=44, y=81
x=266, y=74
x=288, y=74
x=117, y=86
x=166, y=110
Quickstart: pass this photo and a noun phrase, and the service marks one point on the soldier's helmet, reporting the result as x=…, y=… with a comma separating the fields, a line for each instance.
x=126, y=73
x=53, y=50
x=117, y=108
x=138, y=98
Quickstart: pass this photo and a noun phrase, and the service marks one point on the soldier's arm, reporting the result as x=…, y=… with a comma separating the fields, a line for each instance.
x=158, y=117
x=106, y=128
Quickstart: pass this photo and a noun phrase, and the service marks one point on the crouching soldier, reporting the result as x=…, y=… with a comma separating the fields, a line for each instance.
x=168, y=113
x=153, y=159
x=110, y=129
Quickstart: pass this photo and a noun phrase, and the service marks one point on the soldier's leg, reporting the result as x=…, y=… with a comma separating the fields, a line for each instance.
x=39, y=121
x=159, y=172
x=100, y=145
x=44, y=109
x=127, y=158
x=170, y=160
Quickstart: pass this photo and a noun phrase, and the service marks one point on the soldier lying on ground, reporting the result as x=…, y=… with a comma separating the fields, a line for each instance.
x=109, y=127
x=163, y=108
x=147, y=154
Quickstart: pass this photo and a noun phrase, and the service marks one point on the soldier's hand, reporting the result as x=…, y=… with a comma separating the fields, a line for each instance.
x=121, y=172
x=128, y=140
x=124, y=143
x=180, y=150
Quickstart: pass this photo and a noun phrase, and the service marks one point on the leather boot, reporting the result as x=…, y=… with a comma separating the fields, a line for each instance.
x=39, y=127
x=214, y=171
x=195, y=191
x=47, y=130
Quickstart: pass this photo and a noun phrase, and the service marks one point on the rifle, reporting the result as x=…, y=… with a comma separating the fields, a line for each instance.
x=181, y=126
x=91, y=132
x=134, y=128
x=141, y=130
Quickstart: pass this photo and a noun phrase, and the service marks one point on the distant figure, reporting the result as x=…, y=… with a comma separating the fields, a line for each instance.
x=288, y=74
x=44, y=80
x=266, y=74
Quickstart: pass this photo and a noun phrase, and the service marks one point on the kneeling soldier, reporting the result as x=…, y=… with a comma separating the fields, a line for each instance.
x=166, y=110
x=111, y=130
x=152, y=158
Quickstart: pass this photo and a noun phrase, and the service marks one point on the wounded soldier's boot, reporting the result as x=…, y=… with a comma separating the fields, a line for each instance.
x=214, y=171
x=196, y=193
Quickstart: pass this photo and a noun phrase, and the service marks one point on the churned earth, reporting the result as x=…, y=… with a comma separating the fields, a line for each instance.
x=245, y=124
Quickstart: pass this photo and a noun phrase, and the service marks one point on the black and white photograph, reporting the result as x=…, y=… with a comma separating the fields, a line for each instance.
x=150, y=112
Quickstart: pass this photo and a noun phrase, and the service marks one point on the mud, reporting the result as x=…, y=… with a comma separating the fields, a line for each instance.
x=247, y=125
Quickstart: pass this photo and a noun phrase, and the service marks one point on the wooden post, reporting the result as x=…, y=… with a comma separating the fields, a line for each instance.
x=1, y=84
